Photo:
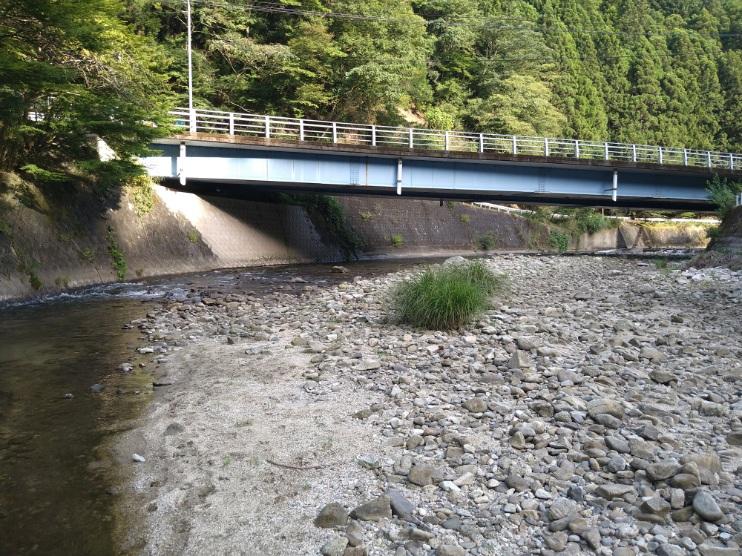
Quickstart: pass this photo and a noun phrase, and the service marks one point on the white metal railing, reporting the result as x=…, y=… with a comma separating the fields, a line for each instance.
x=319, y=131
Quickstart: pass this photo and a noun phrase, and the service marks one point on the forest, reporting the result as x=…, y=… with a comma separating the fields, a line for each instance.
x=646, y=71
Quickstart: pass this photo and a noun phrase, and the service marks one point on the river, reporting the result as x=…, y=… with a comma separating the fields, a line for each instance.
x=58, y=479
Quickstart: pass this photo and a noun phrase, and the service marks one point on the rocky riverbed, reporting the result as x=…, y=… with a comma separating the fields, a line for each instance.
x=594, y=409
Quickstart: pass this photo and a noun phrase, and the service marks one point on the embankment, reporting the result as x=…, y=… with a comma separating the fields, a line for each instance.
x=61, y=237
x=726, y=247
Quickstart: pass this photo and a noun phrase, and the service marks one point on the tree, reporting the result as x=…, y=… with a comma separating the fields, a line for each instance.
x=68, y=70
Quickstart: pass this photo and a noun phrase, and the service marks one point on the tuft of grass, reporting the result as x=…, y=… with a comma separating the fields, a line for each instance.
x=396, y=240
x=447, y=297
x=193, y=235
x=366, y=215
x=487, y=242
x=660, y=264
x=464, y=218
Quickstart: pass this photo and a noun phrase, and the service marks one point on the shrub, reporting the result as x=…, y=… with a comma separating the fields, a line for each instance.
x=396, y=240
x=558, y=241
x=487, y=242
x=464, y=218
x=723, y=193
x=446, y=297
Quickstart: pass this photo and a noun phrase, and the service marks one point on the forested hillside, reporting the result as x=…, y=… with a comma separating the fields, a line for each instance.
x=654, y=71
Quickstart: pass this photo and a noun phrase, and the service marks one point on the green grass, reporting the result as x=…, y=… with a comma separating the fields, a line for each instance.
x=446, y=297
x=660, y=264
x=396, y=240
x=558, y=241
x=193, y=235
x=487, y=242
x=464, y=218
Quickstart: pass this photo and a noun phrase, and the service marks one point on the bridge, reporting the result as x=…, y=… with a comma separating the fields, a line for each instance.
x=233, y=153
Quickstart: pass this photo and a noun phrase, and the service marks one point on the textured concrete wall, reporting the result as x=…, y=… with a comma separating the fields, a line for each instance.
x=48, y=249
x=426, y=226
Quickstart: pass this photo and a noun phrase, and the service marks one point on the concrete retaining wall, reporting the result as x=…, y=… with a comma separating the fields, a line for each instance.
x=51, y=244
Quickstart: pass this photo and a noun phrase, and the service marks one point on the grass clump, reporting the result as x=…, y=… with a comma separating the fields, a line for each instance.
x=487, y=242
x=397, y=240
x=446, y=297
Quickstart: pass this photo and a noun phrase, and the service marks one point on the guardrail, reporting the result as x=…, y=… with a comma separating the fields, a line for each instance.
x=319, y=131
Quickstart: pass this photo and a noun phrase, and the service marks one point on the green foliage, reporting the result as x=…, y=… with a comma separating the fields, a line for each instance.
x=464, y=218
x=118, y=261
x=713, y=232
x=660, y=264
x=590, y=221
x=328, y=210
x=487, y=242
x=396, y=240
x=723, y=193
x=83, y=71
x=87, y=255
x=558, y=240
x=366, y=216
x=447, y=297
x=193, y=235
x=142, y=194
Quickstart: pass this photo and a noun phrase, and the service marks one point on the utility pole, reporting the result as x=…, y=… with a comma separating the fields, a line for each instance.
x=191, y=112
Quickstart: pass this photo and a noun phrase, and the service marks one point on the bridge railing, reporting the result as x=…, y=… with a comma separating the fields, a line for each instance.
x=319, y=131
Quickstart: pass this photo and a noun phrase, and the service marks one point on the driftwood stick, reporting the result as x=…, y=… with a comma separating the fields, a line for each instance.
x=297, y=467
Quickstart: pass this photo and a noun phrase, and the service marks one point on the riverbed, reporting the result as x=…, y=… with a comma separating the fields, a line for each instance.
x=258, y=396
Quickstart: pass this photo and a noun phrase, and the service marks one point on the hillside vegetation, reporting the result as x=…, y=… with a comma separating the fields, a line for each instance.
x=653, y=71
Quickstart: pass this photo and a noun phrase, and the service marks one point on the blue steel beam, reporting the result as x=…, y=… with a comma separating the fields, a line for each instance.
x=285, y=168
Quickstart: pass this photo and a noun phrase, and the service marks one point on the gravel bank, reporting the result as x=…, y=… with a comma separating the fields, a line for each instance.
x=595, y=409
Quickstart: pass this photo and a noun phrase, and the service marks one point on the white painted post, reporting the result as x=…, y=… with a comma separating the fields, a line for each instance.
x=606, y=151
x=685, y=157
x=577, y=148
x=615, y=185
x=411, y=139
x=267, y=127
x=481, y=142
x=301, y=130
x=192, y=121
x=373, y=135
x=708, y=156
x=334, y=132
x=445, y=141
x=661, y=155
x=182, y=164
x=399, y=176
x=633, y=153
x=546, y=147
x=515, y=145
x=231, y=124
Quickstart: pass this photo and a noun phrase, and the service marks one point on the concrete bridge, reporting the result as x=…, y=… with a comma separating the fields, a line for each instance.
x=233, y=153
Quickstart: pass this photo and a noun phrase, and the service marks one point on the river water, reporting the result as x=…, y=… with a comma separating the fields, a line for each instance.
x=57, y=484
